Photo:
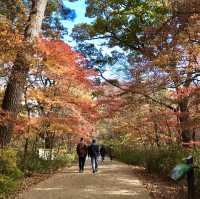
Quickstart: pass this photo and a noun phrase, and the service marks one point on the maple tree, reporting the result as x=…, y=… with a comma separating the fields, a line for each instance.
x=59, y=93
x=163, y=49
x=163, y=55
x=28, y=18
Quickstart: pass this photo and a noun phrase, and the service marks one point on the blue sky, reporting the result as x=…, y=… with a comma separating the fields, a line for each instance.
x=79, y=7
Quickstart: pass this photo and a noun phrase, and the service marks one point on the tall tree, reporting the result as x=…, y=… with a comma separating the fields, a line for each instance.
x=31, y=28
x=17, y=80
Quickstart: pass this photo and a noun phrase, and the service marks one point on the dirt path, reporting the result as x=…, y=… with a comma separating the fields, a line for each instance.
x=113, y=181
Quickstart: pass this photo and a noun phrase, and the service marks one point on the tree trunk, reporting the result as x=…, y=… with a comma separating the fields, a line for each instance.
x=15, y=87
x=49, y=140
x=157, y=136
x=184, y=119
x=25, y=154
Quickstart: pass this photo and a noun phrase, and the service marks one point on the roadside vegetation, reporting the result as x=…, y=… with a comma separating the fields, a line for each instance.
x=14, y=168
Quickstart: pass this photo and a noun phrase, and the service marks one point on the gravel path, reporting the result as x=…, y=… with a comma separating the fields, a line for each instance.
x=113, y=181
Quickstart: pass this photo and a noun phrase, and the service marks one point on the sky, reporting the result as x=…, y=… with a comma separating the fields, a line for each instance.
x=79, y=6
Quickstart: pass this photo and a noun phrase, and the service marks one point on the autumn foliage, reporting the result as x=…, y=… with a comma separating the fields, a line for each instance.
x=59, y=93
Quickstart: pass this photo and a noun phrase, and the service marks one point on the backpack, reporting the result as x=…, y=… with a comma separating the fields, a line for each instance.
x=93, y=150
x=82, y=151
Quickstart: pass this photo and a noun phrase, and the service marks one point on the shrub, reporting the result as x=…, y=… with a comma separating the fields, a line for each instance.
x=7, y=185
x=159, y=160
x=162, y=159
x=134, y=156
x=34, y=163
x=8, y=164
x=156, y=159
x=61, y=161
x=9, y=172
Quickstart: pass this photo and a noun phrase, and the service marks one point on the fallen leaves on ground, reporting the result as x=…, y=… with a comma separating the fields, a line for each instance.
x=160, y=187
x=28, y=182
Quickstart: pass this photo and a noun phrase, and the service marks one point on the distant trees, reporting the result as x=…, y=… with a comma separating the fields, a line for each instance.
x=161, y=40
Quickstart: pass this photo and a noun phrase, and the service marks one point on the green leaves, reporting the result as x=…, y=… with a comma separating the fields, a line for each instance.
x=120, y=22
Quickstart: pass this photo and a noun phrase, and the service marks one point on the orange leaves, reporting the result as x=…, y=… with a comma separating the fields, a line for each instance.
x=184, y=92
x=60, y=90
x=9, y=41
x=58, y=95
x=64, y=63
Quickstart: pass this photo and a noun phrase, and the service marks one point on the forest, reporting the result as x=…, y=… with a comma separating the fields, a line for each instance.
x=132, y=81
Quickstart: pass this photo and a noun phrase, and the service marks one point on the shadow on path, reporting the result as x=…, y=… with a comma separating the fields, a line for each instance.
x=114, y=180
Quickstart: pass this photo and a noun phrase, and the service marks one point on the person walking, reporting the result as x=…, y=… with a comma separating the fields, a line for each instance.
x=93, y=152
x=102, y=152
x=110, y=152
x=82, y=153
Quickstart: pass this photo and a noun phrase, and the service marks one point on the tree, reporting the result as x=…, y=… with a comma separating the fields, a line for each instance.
x=121, y=23
x=17, y=80
x=59, y=93
x=157, y=38
x=30, y=27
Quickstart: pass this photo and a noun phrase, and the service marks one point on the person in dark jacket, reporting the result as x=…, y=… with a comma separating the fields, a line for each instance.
x=82, y=153
x=102, y=152
x=110, y=152
x=93, y=152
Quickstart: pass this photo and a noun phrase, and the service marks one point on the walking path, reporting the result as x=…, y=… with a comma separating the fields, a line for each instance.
x=113, y=181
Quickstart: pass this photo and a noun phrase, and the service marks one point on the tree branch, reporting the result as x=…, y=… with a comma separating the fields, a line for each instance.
x=138, y=93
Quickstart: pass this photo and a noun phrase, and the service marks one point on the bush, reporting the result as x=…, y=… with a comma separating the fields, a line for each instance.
x=12, y=163
x=61, y=161
x=156, y=159
x=8, y=164
x=9, y=172
x=34, y=163
x=161, y=160
x=130, y=156
x=7, y=185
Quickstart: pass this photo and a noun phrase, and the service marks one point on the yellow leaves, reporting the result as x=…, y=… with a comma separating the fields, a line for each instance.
x=53, y=69
x=162, y=60
x=60, y=128
x=35, y=94
x=9, y=41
